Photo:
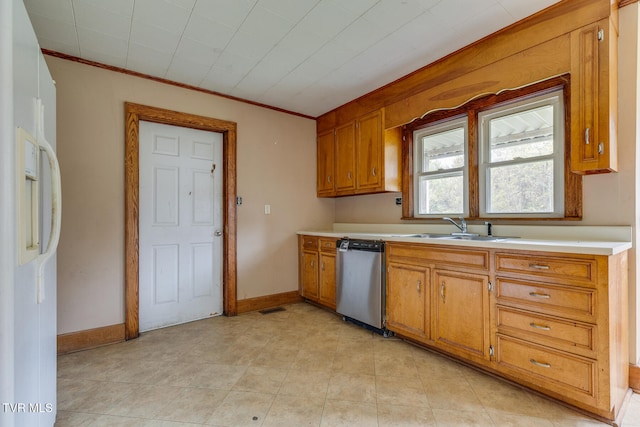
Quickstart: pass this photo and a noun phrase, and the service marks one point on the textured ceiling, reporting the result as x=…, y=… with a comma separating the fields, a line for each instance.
x=305, y=56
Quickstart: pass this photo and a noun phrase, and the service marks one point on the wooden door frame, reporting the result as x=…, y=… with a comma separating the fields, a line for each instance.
x=133, y=114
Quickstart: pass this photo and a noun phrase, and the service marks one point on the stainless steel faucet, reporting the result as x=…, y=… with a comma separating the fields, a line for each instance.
x=462, y=226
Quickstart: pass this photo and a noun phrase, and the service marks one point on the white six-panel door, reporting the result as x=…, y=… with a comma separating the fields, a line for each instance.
x=180, y=234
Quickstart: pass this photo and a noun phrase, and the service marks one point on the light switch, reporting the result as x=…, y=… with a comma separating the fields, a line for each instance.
x=267, y=209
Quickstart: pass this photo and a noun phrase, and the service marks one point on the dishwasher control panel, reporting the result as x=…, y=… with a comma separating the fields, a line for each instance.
x=360, y=245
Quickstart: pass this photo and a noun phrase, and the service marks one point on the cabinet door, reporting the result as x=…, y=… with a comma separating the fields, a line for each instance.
x=461, y=317
x=593, y=98
x=369, y=153
x=345, y=158
x=326, y=161
x=408, y=300
x=327, y=280
x=309, y=275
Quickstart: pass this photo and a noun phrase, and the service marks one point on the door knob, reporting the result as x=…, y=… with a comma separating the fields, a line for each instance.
x=218, y=233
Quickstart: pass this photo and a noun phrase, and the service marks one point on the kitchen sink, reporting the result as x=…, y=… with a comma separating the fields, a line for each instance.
x=480, y=238
x=454, y=237
x=425, y=235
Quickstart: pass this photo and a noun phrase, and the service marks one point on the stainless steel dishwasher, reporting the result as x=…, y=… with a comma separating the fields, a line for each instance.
x=360, y=283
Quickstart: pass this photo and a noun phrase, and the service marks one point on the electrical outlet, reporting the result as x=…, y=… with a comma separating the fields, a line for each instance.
x=398, y=201
x=267, y=209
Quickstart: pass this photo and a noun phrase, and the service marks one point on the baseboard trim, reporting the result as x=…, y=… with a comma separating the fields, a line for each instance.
x=268, y=301
x=634, y=378
x=89, y=338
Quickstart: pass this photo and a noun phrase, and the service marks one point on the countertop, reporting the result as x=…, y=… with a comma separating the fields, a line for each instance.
x=605, y=240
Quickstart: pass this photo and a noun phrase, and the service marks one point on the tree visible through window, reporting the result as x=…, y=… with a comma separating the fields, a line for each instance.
x=522, y=158
x=441, y=169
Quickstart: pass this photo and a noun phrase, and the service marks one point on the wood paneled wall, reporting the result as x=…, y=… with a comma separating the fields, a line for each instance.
x=531, y=50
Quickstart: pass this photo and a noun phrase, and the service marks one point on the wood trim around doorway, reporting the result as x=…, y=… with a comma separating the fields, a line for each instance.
x=133, y=114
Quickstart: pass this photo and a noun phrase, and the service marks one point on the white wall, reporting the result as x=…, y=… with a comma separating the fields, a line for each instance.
x=275, y=165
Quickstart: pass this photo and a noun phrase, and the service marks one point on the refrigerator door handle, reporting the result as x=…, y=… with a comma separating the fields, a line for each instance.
x=56, y=216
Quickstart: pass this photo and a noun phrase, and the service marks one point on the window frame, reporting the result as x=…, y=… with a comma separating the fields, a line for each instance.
x=572, y=182
x=460, y=121
x=555, y=99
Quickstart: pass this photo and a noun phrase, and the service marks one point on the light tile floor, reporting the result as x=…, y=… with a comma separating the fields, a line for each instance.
x=300, y=367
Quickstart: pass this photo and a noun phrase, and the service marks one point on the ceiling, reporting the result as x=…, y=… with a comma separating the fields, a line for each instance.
x=304, y=56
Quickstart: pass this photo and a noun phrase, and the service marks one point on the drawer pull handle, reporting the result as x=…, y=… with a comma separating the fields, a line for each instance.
x=313, y=264
x=539, y=266
x=542, y=365
x=442, y=291
x=539, y=295
x=543, y=327
x=418, y=286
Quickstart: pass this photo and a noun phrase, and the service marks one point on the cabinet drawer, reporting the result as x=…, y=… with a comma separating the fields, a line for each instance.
x=573, y=337
x=440, y=255
x=310, y=242
x=327, y=244
x=582, y=271
x=564, y=301
x=544, y=367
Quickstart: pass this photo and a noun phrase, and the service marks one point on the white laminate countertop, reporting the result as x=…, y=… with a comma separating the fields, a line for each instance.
x=594, y=240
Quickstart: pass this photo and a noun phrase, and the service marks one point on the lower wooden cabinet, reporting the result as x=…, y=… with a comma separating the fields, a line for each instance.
x=554, y=322
x=561, y=323
x=309, y=275
x=317, y=269
x=408, y=297
x=552, y=370
x=461, y=313
x=327, y=279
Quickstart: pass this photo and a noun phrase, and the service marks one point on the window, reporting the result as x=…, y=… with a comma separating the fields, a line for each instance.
x=441, y=169
x=521, y=166
x=499, y=156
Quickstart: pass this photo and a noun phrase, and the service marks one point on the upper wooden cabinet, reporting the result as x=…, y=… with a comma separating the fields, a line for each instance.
x=570, y=37
x=369, y=152
x=364, y=156
x=594, y=98
x=345, y=162
x=326, y=167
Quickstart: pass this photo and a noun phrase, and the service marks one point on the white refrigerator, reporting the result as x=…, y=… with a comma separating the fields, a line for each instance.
x=29, y=225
